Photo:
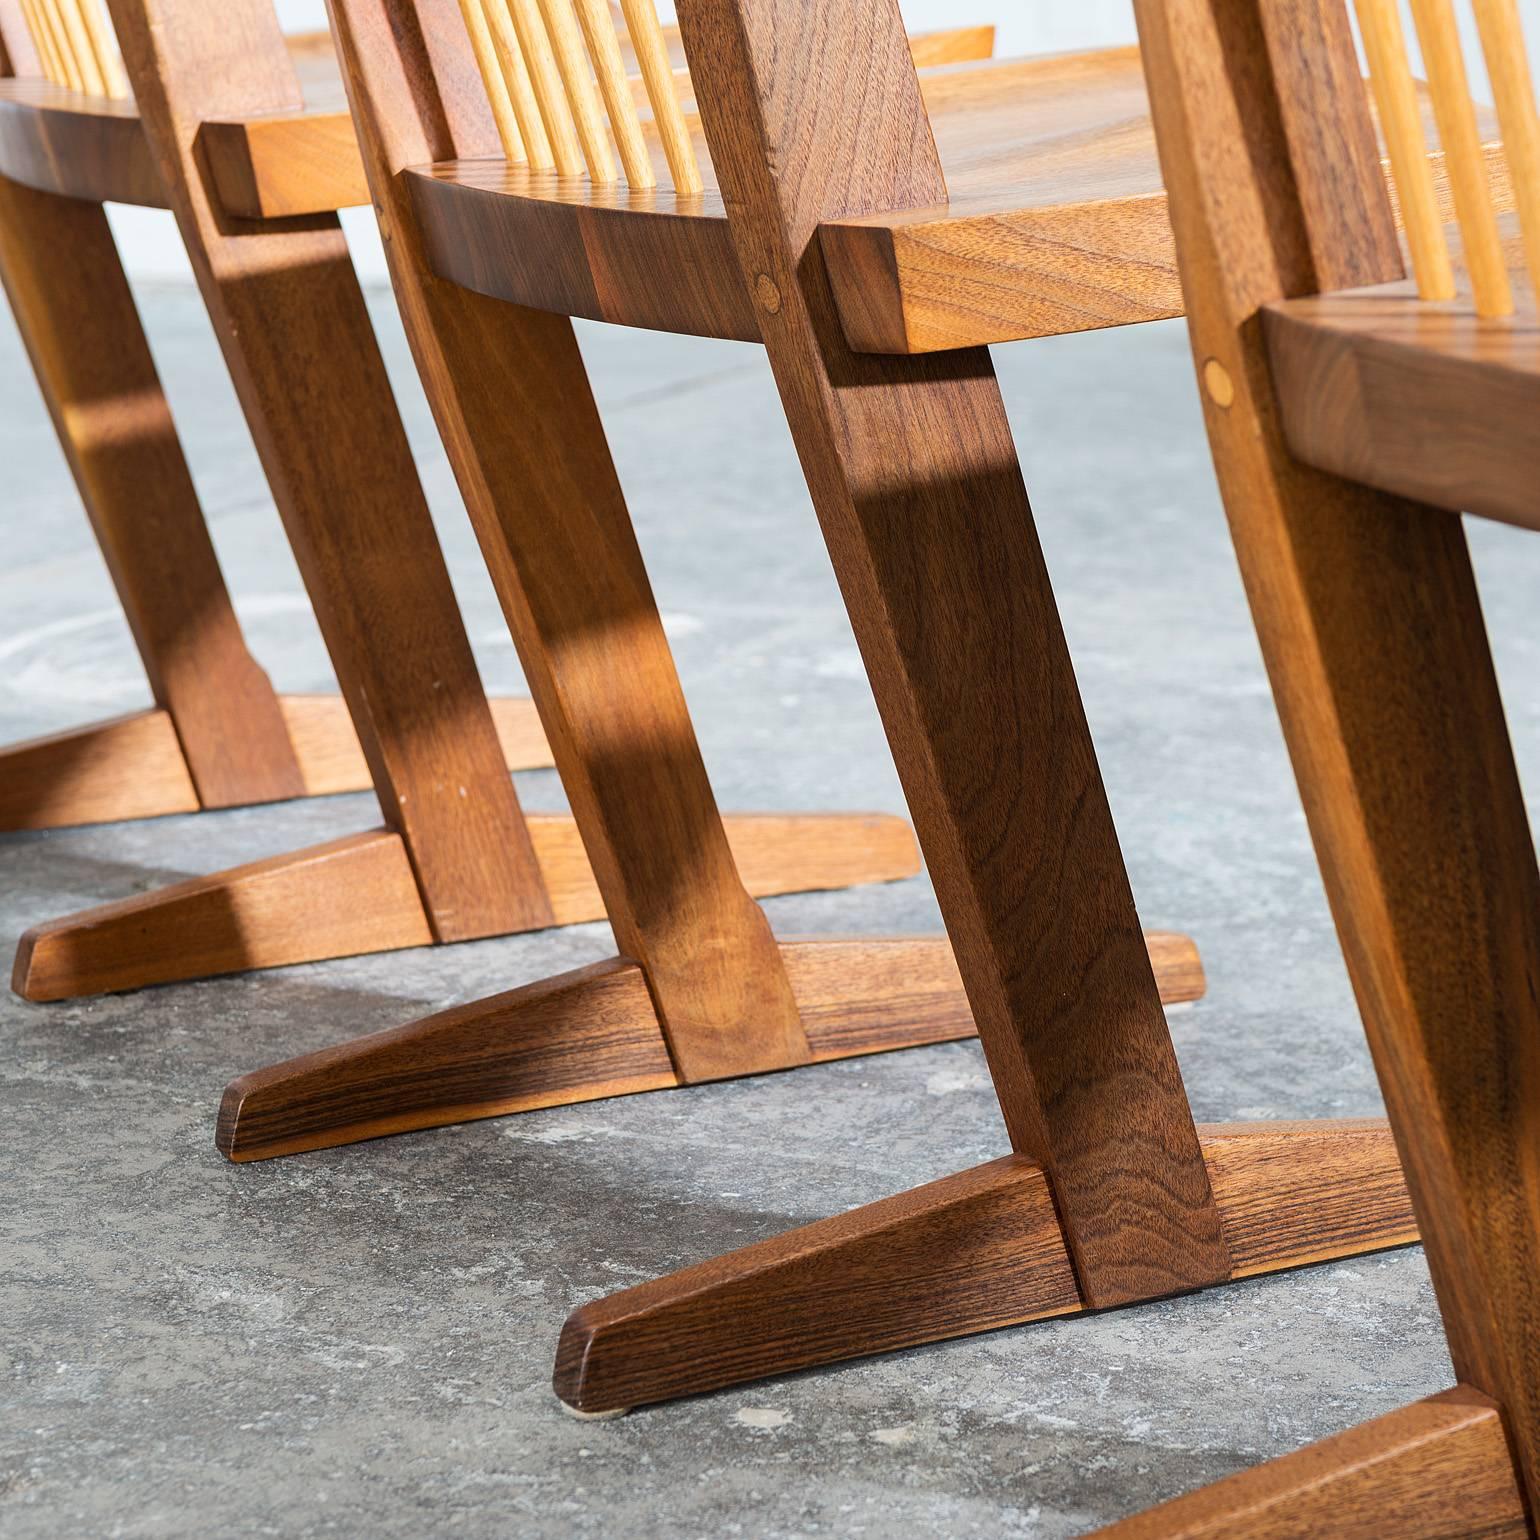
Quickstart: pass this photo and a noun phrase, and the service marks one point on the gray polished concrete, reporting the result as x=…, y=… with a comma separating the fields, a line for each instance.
x=359, y=1342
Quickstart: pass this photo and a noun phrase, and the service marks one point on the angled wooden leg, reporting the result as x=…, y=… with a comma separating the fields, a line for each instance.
x=1438, y=1469
x=596, y=1033
x=516, y=413
x=1370, y=623
x=914, y=476
x=292, y=322
x=970, y=1253
x=357, y=895
x=75, y=312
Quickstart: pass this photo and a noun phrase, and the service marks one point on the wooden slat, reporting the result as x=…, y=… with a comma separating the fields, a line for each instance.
x=566, y=39
x=545, y=80
x=646, y=37
x=1502, y=42
x=492, y=79
x=1439, y=34
x=620, y=104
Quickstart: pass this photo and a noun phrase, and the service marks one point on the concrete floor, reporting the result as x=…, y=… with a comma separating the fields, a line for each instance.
x=359, y=1342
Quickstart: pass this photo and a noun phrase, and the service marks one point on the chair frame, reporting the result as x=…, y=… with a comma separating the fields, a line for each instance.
x=457, y=858
x=1111, y=1194
x=1371, y=628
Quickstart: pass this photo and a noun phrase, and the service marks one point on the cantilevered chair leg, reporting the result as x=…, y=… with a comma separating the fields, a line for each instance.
x=595, y=1033
x=969, y=1253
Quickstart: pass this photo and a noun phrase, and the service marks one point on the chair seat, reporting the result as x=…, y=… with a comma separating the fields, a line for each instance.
x=1423, y=399
x=1055, y=222
x=302, y=162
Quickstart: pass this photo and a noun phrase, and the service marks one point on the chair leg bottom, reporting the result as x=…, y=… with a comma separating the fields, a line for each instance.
x=133, y=766
x=590, y=1034
x=1439, y=1469
x=358, y=894
x=970, y=1253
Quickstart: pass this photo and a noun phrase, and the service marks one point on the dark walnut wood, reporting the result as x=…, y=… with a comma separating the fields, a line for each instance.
x=973, y=1252
x=914, y=476
x=1361, y=374
x=1436, y=1470
x=1371, y=627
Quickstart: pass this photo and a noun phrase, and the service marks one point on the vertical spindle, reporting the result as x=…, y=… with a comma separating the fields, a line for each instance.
x=492, y=80
x=561, y=27
x=646, y=37
x=1395, y=97
x=1464, y=155
x=546, y=80
x=1502, y=41
x=598, y=20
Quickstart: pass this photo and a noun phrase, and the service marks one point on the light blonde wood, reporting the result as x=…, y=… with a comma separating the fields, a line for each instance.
x=42, y=41
x=619, y=102
x=646, y=38
x=1502, y=41
x=566, y=40
x=1436, y=1470
x=544, y=77
x=498, y=94
x=72, y=18
x=1456, y=113
x=115, y=84
x=69, y=66
x=1395, y=97
x=521, y=92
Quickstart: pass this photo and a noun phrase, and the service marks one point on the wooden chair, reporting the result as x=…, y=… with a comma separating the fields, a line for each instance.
x=1111, y=1195
x=1351, y=414
x=247, y=139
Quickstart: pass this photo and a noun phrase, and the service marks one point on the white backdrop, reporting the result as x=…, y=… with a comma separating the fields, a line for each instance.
x=153, y=251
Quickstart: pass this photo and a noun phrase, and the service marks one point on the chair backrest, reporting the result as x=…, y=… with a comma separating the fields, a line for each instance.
x=555, y=73
x=1390, y=76
x=75, y=46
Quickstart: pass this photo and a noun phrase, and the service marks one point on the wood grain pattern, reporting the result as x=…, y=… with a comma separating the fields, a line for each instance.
x=1361, y=373
x=278, y=911
x=345, y=897
x=296, y=335
x=594, y=1034
x=915, y=480
x=1371, y=627
x=972, y=1252
x=76, y=315
x=1052, y=220
x=1435, y=1470
x=514, y=408
x=130, y=767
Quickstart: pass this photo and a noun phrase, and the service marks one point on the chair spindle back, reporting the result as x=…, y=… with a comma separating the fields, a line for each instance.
x=75, y=46
x=1454, y=111
x=555, y=74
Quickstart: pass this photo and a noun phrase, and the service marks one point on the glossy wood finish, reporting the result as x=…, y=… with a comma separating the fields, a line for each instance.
x=1361, y=373
x=94, y=368
x=1371, y=627
x=914, y=477
x=296, y=335
x=1051, y=219
x=595, y=1033
x=972, y=1252
x=349, y=897
x=1435, y=1470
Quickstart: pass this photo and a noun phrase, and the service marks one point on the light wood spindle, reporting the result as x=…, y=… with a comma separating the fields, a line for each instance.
x=69, y=67
x=492, y=78
x=646, y=37
x=510, y=59
x=104, y=46
x=1395, y=96
x=546, y=80
x=72, y=13
x=561, y=27
x=598, y=20
x=1502, y=41
x=1463, y=155
x=42, y=40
